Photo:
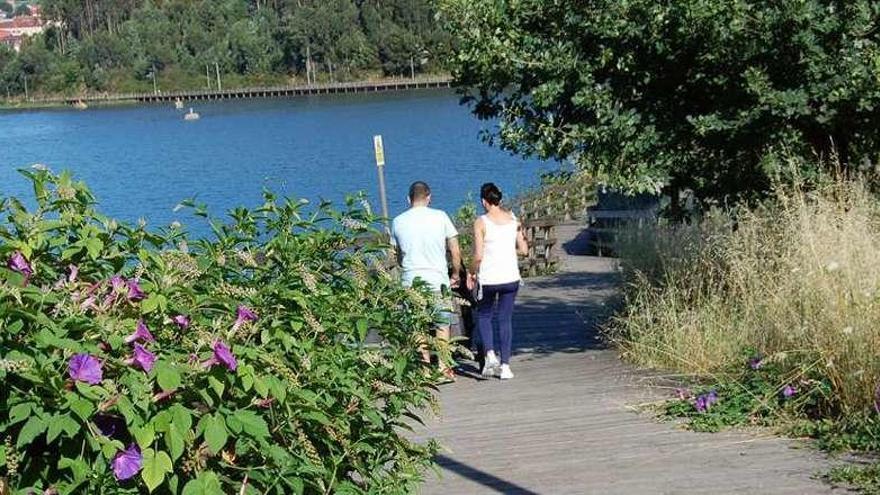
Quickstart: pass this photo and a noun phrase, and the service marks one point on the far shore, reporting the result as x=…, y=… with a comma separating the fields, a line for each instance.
x=426, y=81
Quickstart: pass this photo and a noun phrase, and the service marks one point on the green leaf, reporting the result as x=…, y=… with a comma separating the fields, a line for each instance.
x=2, y=455
x=150, y=304
x=78, y=467
x=181, y=418
x=31, y=430
x=319, y=417
x=217, y=385
x=59, y=423
x=167, y=376
x=94, y=247
x=261, y=387
x=143, y=435
x=174, y=441
x=81, y=407
x=252, y=423
x=362, y=328
x=156, y=466
x=206, y=483
x=19, y=412
x=216, y=434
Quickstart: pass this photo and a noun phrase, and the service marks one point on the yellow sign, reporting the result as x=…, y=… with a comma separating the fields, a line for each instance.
x=380, y=151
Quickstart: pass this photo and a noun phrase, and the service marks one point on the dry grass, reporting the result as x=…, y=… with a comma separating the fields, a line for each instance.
x=797, y=280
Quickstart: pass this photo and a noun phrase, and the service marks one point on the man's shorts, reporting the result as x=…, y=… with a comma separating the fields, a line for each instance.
x=445, y=315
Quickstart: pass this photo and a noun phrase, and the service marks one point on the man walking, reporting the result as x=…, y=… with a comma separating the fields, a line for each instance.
x=422, y=235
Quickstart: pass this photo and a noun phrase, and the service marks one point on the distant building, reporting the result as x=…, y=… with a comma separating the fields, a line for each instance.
x=13, y=31
x=10, y=40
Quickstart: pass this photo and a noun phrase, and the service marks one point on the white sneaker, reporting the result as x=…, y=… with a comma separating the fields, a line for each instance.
x=490, y=366
x=506, y=374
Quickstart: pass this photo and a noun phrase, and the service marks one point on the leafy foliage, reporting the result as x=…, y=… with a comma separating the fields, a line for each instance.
x=688, y=94
x=112, y=45
x=262, y=380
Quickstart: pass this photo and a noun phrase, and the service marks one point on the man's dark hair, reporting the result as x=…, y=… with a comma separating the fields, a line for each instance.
x=419, y=190
x=491, y=194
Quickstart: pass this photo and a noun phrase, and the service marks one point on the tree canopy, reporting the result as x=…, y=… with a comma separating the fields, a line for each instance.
x=109, y=45
x=688, y=93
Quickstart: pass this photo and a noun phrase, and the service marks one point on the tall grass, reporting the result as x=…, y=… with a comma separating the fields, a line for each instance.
x=796, y=280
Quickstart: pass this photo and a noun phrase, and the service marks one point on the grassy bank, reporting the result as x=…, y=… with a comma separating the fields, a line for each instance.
x=773, y=310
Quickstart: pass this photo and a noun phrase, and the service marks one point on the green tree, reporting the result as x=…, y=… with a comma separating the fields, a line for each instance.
x=6, y=7
x=691, y=93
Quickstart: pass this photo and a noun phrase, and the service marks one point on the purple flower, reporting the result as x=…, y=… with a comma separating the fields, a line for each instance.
x=141, y=333
x=118, y=283
x=703, y=402
x=711, y=399
x=244, y=315
x=89, y=303
x=222, y=355
x=74, y=271
x=85, y=368
x=143, y=358
x=109, y=425
x=182, y=321
x=788, y=391
x=134, y=291
x=127, y=463
x=756, y=362
x=18, y=263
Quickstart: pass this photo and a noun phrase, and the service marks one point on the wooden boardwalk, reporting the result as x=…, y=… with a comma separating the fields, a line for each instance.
x=567, y=423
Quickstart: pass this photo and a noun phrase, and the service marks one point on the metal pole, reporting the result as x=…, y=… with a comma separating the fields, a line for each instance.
x=26, y=97
x=208, y=76
x=155, y=87
x=217, y=68
x=380, y=168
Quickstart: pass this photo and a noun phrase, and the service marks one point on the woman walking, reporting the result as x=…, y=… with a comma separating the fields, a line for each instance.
x=498, y=237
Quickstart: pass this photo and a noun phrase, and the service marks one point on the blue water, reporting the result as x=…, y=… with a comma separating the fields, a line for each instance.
x=141, y=161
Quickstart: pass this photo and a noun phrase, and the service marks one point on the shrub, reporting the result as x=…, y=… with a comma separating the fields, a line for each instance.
x=138, y=360
x=797, y=279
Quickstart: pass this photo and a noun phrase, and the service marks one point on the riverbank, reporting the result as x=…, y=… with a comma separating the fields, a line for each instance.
x=245, y=92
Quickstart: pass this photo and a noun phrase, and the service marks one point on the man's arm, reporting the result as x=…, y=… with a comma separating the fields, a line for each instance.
x=455, y=253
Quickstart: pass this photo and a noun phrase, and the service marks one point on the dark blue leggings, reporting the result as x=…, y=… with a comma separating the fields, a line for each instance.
x=502, y=296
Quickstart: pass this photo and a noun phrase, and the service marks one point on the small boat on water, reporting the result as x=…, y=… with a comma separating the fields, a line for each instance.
x=80, y=105
x=191, y=115
x=178, y=104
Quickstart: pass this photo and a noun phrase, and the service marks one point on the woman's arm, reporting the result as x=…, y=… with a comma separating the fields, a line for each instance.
x=479, y=234
x=522, y=246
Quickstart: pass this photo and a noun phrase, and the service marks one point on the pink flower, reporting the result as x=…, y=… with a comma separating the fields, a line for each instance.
x=18, y=263
x=244, y=314
x=222, y=355
x=182, y=321
x=118, y=283
x=141, y=333
x=134, y=291
x=142, y=358
x=74, y=271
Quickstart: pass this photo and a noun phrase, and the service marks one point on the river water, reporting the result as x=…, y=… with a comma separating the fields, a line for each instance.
x=141, y=161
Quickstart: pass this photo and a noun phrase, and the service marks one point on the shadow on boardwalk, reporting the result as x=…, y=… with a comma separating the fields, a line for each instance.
x=567, y=423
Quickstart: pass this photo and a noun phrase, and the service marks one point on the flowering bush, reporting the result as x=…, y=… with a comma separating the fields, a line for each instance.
x=140, y=361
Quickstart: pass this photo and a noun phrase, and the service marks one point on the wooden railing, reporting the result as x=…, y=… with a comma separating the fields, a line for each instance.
x=543, y=256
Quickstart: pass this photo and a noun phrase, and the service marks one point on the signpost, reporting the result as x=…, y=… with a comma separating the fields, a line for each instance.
x=380, y=166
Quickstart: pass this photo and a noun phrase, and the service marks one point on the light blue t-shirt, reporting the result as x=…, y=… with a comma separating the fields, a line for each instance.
x=420, y=234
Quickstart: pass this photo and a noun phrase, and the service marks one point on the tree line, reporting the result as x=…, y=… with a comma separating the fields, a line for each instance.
x=118, y=45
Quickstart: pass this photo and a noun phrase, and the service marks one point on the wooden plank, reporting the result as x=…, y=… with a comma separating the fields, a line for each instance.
x=565, y=423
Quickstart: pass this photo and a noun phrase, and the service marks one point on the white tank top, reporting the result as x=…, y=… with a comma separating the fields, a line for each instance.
x=499, y=265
